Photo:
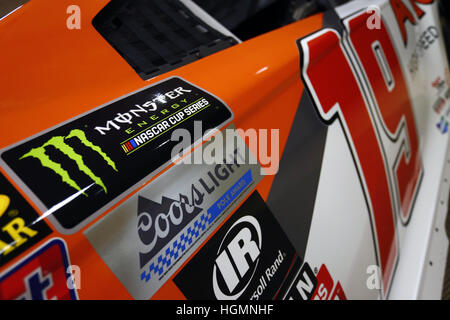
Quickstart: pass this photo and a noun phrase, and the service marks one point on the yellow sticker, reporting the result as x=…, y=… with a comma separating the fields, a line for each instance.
x=4, y=203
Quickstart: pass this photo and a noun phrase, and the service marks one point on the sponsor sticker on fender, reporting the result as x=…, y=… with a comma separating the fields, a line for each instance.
x=305, y=284
x=250, y=258
x=41, y=276
x=19, y=223
x=145, y=240
x=326, y=287
x=89, y=162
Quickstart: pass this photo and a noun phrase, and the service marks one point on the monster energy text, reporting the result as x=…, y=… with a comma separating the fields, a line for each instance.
x=142, y=109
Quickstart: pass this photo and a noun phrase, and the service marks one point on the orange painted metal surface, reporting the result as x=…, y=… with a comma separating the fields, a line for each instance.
x=51, y=74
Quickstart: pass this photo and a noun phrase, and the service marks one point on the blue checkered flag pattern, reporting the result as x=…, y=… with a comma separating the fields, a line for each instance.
x=177, y=247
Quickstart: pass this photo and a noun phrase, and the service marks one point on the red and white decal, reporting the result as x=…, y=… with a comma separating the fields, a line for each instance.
x=40, y=276
x=326, y=290
x=374, y=105
x=403, y=14
x=387, y=87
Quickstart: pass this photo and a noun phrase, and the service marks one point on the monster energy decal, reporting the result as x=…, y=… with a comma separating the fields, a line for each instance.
x=75, y=171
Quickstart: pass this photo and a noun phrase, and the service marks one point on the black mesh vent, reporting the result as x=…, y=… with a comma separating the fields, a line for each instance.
x=156, y=36
x=229, y=12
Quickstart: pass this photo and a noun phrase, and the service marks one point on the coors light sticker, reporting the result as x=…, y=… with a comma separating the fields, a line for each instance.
x=148, y=238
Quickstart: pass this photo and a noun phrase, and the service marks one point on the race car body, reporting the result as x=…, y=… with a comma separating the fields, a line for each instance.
x=148, y=152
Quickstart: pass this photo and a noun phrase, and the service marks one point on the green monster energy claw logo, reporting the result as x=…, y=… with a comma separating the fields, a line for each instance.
x=60, y=144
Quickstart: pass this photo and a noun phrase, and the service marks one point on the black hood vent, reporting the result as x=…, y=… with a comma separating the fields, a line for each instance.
x=156, y=36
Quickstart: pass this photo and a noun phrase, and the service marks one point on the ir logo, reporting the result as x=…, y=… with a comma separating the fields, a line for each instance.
x=237, y=259
x=73, y=21
x=374, y=280
x=74, y=277
x=374, y=21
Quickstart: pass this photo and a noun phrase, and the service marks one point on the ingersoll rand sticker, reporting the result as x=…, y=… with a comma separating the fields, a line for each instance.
x=251, y=258
x=248, y=258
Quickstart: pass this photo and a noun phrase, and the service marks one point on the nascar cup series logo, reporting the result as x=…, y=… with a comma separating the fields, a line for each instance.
x=237, y=259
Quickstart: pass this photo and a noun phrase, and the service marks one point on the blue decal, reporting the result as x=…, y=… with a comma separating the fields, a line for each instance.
x=180, y=245
x=224, y=201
